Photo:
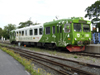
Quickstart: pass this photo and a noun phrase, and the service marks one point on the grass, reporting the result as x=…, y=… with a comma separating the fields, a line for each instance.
x=75, y=56
x=26, y=63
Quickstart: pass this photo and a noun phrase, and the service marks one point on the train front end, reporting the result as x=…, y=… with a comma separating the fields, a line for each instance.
x=81, y=35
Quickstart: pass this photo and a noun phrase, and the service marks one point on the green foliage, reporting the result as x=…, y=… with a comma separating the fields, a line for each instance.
x=7, y=29
x=93, y=10
x=27, y=23
x=1, y=32
x=75, y=56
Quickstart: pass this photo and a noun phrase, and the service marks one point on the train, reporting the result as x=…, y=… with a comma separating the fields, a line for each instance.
x=73, y=34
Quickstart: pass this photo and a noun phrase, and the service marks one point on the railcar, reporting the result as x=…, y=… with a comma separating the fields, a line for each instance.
x=73, y=34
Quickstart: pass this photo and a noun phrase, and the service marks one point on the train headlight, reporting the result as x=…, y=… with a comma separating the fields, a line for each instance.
x=89, y=38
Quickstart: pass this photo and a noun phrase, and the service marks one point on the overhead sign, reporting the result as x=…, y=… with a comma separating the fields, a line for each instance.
x=96, y=21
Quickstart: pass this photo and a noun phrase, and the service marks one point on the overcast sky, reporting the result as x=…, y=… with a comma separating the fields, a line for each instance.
x=16, y=11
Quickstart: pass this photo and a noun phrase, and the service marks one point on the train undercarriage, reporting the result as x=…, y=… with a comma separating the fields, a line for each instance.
x=53, y=46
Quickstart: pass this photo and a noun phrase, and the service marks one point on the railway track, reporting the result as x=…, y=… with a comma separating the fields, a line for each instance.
x=96, y=55
x=61, y=63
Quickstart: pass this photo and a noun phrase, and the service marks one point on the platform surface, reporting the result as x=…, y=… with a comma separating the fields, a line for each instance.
x=9, y=66
x=93, y=45
x=94, y=48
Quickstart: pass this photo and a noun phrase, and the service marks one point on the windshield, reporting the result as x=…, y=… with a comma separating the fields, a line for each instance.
x=77, y=27
x=86, y=27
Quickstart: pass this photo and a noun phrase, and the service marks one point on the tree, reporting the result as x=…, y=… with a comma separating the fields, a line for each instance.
x=7, y=29
x=1, y=32
x=93, y=12
x=27, y=23
x=22, y=24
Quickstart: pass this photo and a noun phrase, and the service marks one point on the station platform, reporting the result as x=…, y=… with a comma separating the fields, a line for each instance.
x=9, y=66
x=93, y=48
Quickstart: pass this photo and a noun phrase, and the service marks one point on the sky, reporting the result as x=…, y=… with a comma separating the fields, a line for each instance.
x=41, y=11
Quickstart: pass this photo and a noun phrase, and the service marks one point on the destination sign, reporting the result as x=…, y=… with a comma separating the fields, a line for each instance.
x=81, y=21
x=96, y=21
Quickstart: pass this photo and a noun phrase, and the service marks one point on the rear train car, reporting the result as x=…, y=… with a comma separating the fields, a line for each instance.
x=73, y=34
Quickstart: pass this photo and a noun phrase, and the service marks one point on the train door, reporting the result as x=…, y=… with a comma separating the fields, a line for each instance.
x=59, y=38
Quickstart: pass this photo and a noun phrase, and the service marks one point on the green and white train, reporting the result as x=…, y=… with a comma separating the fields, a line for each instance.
x=73, y=34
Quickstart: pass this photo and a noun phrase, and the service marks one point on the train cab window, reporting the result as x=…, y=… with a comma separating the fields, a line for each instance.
x=67, y=28
x=26, y=32
x=19, y=33
x=40, y=31
x=53, y=29
x=22, y=33
x=47, y=30
x=86, y=28
x=35, y=31
x=31, y=32
x=77, y=27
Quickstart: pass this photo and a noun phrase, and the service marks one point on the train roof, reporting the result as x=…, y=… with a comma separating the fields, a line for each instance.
x=28, y=27
x=62, y=20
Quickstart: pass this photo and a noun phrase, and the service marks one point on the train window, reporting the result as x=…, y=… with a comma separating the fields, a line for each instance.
x=40, y=31
x=77, y=27
x=19, y=33
x=53, y=29
x=60, y=29
x=31, y=32
x=47, y=30
x=22, y=33
x=26, y=32
x=57, y=29
x=35, y=32
x=86, y=28
x=16, y=33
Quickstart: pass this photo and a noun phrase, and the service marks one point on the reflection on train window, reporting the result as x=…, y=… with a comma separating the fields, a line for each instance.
x=26, y=32
x=47, y=30
x=31, y=32
x=40, y=31
x=53, y=29
x=67, y=27
x=35, y=32
x=22, y=33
